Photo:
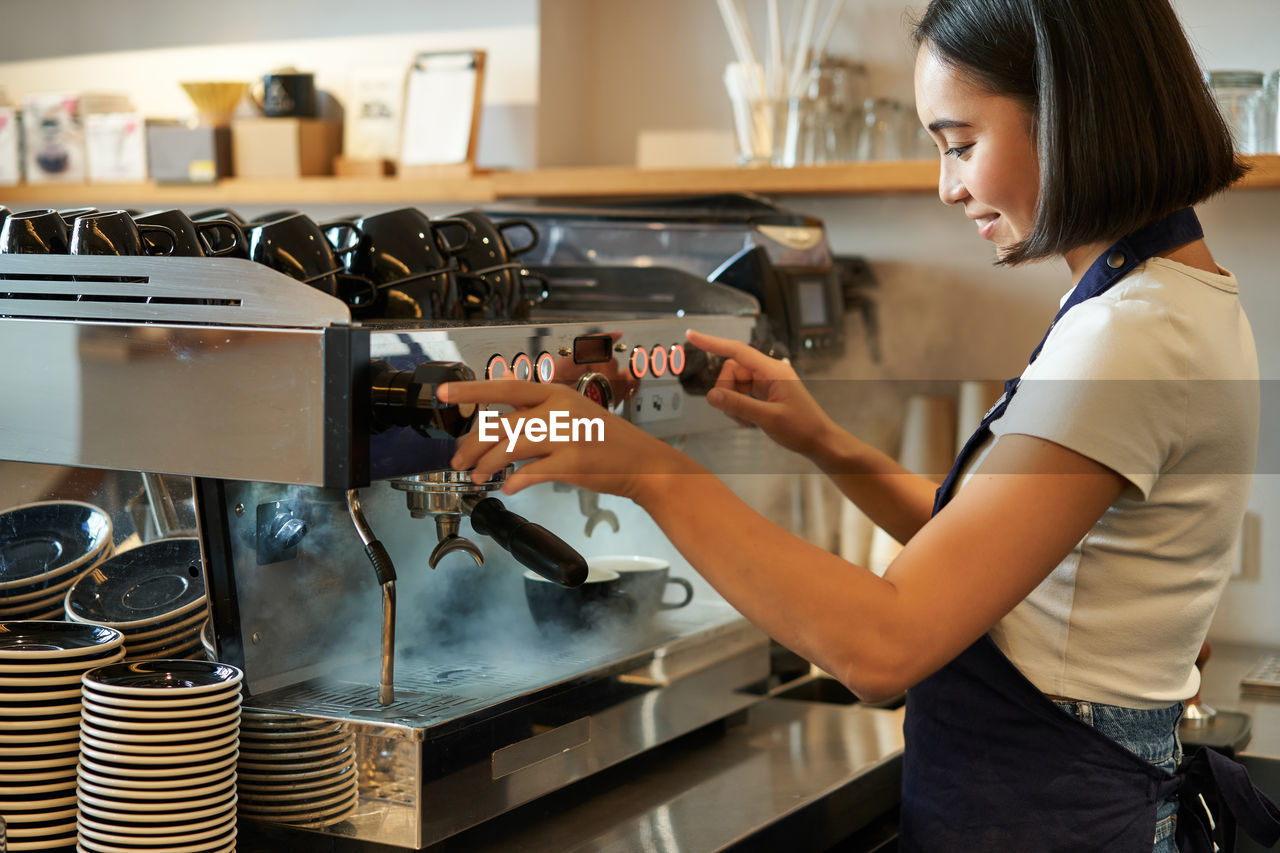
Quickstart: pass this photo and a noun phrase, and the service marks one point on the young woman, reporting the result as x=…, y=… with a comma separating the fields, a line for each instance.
x=1051, y=597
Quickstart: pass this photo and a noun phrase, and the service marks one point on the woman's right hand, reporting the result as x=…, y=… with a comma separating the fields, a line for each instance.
x=757, y=390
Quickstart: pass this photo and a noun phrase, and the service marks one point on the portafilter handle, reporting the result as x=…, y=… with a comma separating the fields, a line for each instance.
x=531, y=544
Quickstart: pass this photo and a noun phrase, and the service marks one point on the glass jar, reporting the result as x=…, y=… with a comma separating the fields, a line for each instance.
x=1242, y=98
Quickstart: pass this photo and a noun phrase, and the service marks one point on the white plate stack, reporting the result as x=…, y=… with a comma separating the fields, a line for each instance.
x=41, y=664
x=158, y=749
x=299, y=771
x=44, y=548
x=153, y=594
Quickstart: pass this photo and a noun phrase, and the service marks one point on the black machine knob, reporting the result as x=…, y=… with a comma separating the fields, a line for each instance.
x=701, y=368
x=408, y=398
x=531, y=544
x=288, y=530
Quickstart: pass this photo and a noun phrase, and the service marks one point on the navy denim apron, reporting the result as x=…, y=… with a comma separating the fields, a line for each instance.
x=992, y=765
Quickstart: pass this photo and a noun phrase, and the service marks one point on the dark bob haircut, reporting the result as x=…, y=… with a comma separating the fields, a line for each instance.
x=1126, y=128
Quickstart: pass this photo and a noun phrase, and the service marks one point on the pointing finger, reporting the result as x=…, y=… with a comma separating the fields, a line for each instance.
x=748, y=355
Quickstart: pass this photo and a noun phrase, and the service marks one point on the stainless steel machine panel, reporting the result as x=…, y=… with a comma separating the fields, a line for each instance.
x=263, y=390
x=176, y=365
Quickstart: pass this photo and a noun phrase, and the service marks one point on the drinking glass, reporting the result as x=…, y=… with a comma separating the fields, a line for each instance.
x=881, y=137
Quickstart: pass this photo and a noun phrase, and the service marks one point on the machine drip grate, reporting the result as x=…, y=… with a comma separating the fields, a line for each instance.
x=462, y=680
x=425, y=695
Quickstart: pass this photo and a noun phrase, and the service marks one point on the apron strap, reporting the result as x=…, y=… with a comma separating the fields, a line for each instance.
x=1213, y=790
x=1163, y=235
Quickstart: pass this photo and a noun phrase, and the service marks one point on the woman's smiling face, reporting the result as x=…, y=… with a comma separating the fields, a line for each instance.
x=989, y=162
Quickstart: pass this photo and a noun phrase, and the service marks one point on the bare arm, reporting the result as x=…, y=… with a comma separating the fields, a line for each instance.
x=1022, y=513
x=761, y=391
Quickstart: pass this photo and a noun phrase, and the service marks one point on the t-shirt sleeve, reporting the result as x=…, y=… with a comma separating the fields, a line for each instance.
x=1109, y=384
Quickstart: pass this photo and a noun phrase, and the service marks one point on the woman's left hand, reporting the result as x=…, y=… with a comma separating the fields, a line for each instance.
x=608, y=456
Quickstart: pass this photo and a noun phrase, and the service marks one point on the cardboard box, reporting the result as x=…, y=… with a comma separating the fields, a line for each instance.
x=347, y=167
x=285, y=147
x=178, y=153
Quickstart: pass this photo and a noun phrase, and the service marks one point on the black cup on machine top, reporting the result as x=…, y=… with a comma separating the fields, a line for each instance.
x=411, y=261
x=217, y=240
x=34, y=232
x=288, y=94
x=71, y=214
x=491, y=284
x=208, y=238
x=115, y=233
x=298, y=246
x=598, y=603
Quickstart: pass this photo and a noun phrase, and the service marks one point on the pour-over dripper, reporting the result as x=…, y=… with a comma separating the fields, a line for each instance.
x=215, y=100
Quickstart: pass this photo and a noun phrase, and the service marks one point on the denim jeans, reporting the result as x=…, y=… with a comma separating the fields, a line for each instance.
x=1153, y=737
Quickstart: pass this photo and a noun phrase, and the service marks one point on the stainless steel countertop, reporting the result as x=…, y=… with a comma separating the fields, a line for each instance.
x=716, y=791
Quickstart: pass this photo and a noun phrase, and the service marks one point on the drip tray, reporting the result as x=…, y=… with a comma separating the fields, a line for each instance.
x=460, y=686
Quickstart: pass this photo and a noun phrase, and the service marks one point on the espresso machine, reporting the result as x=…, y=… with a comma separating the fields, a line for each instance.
x=352, y=574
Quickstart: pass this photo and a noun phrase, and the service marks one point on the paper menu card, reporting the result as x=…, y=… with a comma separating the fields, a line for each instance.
x=373, y=113
x=442, y=108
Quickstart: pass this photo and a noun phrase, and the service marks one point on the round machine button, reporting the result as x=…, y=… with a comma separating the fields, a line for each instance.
x=676, y=359
x=522, y=367
x=596, y=388
x=496, y=368
x=658, y=360
x=639, y=362
x=546, y=367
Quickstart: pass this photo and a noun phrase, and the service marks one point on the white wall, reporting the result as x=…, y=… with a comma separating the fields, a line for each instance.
x=52, y=47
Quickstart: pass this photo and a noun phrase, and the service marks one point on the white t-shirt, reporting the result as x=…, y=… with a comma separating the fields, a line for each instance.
x=1157, y=378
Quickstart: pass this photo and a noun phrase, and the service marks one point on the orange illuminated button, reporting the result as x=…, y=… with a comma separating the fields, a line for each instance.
x=639, y=362
x=496, y=368
x=676, y=361
x=522, y=367
x=658, y=360
x=546, y=365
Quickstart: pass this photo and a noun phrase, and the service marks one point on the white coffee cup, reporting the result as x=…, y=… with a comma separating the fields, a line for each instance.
x=645, y=579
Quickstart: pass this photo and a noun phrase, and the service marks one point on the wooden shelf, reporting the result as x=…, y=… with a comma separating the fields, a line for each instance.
x=901, y=177
x=908, y=176
x=233, y=191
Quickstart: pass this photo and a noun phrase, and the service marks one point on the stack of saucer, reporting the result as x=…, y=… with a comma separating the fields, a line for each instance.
x=40, y=668
x=44, y=547
x=299, y=771
x=206, y=640
x=153, y=594
x=158, y=746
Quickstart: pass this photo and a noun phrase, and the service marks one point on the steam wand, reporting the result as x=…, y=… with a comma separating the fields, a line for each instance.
x=386, y=573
